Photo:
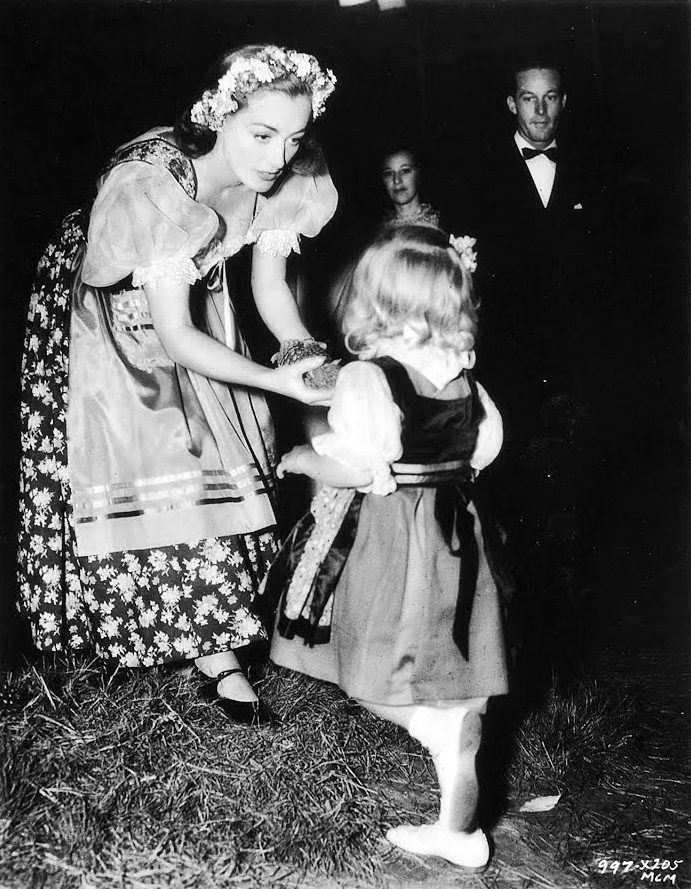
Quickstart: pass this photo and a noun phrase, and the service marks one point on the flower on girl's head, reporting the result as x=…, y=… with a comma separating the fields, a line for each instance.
x=248, y=74
x=464, y=247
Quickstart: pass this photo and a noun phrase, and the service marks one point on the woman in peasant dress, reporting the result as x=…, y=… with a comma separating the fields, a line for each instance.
x=147, y=482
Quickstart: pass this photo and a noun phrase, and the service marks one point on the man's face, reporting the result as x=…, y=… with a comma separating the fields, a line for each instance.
x=537, y=104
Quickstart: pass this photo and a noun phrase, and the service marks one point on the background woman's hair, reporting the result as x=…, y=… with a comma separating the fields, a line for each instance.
x=196, y=140
x=410, y=278
x=397, y=146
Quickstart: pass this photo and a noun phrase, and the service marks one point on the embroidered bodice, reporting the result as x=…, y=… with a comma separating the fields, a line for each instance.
x=147, y=223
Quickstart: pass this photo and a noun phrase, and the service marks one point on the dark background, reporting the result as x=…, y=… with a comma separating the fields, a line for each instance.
x=79, y=78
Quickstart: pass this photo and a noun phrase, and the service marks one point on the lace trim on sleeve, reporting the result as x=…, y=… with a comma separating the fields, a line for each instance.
x=178, y=270
x=279, y=242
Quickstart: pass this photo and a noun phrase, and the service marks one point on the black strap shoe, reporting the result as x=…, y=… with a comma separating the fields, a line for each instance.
x=254, y=713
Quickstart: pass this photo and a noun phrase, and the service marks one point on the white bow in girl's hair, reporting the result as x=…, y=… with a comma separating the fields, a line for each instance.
x=464, y=247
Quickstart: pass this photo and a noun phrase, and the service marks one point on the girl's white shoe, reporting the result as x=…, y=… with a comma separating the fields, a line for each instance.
x=469, y=850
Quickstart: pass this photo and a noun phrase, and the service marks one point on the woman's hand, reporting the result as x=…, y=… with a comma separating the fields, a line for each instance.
x=295, y=461
x=288, y=380
x=192, y=348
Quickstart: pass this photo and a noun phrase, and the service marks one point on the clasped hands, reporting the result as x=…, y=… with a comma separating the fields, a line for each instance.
x=309, y=372
x=291, y=382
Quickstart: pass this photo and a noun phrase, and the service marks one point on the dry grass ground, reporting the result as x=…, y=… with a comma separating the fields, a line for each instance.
x=128, y=781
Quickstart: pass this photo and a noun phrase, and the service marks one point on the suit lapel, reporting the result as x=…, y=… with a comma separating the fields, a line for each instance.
x=558, y=197
x=526, y=193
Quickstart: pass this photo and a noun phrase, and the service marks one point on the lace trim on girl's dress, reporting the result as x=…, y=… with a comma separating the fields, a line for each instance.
x=180, y=270
x=161, y=153
x=328, y=507
x=278, y=242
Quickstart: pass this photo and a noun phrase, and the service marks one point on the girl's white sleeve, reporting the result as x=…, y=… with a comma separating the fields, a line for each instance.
x=365, y=425
x=490, y=433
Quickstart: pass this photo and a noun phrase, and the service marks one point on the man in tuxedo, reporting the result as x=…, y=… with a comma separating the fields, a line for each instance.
x=537, y=209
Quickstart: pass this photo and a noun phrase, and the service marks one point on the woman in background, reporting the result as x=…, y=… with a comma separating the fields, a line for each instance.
x=401, y=175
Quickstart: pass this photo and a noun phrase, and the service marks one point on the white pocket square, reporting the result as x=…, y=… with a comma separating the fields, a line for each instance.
x=578, y=206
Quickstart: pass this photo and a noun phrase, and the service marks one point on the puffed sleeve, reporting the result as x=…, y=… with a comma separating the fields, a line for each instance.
x=490, y=434
x=365, y=425
x=304, y=203
x=145, y=224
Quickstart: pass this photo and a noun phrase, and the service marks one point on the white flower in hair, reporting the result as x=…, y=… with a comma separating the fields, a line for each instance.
x=261, y=71
x=464, y=247
x=246, y=75
x=303, y=64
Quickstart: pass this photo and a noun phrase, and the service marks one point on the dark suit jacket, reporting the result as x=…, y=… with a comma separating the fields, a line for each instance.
x=538, y=270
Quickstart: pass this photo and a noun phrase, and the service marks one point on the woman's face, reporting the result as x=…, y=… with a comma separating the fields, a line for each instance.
x=258, y=141
x=401, y=176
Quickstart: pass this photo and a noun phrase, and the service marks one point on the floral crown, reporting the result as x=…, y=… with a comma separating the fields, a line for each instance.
x=246, y=75
x=464, y=247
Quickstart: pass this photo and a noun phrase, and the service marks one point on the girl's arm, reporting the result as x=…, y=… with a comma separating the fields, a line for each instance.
x=187, y=345
x=304, y=460
x=274, y=299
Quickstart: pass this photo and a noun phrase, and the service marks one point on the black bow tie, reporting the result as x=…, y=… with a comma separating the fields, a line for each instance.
x=529, y=153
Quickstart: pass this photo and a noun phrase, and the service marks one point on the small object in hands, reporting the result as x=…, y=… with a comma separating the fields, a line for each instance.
x=253, y=713
x=295, y=350
x=322, y=377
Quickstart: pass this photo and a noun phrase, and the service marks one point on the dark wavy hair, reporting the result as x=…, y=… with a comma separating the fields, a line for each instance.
x=196, y=140
x=527, y=60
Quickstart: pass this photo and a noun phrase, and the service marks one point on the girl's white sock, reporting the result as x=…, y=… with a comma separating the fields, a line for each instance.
x=452, y=736
x=469, y=850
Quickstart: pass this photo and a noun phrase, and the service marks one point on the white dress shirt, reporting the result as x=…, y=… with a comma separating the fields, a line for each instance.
x=541, y=168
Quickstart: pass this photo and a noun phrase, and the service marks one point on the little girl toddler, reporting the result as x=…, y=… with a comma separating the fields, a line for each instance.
x=385, y=587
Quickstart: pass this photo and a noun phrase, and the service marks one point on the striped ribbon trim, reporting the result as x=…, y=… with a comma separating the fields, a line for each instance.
x=163, y=493
x=130, y=312
x=431, y=473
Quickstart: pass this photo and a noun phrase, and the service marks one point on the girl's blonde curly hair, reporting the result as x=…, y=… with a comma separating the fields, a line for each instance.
x=410, y=278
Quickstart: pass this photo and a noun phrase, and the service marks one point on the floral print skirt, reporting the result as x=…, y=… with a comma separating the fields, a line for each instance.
x=138, y=607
